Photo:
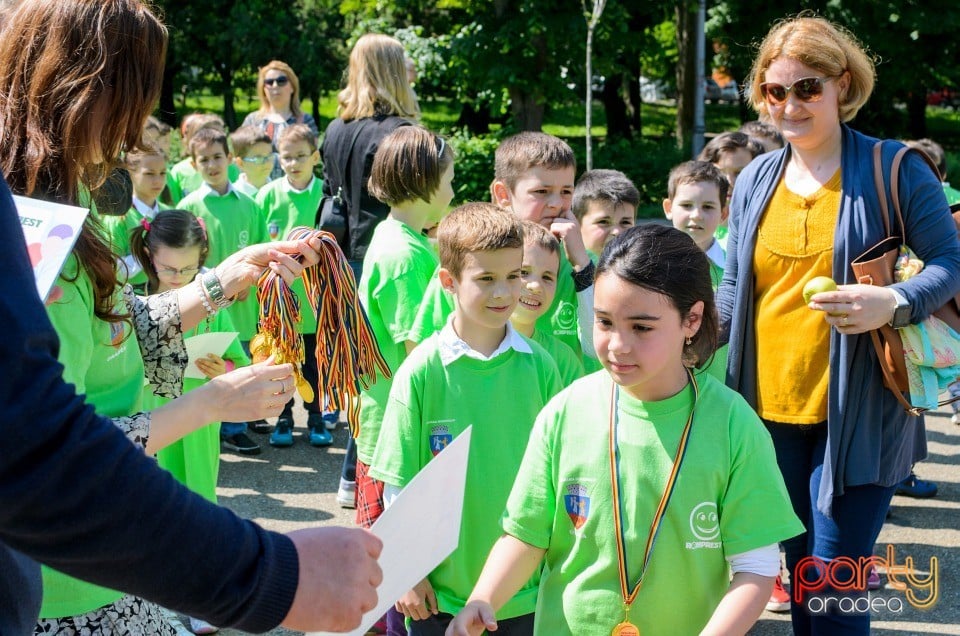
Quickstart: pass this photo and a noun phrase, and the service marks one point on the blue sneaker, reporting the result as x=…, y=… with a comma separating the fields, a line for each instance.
x=318, y=435
x=917, y=488
x=282, y=435
x=331, y=419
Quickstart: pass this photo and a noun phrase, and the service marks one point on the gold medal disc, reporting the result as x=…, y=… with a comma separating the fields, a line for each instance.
x=626, y=628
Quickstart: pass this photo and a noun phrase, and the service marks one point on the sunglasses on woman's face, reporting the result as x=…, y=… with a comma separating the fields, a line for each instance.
x=279, y=81
x=806, y=89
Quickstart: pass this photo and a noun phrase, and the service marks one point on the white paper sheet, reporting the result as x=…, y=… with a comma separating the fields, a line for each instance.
x=50, y=230
x=421, y=528
x=200, y=345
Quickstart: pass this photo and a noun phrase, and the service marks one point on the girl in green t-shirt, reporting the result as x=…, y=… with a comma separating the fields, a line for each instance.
x=171, y=250
x=605, y=471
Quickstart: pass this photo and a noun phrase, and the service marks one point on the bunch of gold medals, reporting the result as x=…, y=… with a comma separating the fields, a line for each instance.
x=348, y=358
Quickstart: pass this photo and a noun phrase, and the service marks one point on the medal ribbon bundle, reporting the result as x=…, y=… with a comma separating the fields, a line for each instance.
x=348, y=358
x=625, y=627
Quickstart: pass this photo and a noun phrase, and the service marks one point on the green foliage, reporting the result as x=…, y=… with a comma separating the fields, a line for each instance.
x=473, y=167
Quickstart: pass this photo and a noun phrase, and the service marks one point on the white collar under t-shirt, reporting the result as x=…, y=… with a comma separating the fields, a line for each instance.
x=206, y=191
x=453, y=347
x=145, y=210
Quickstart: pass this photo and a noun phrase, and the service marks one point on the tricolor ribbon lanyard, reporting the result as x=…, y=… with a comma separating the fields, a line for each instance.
x=626, y=628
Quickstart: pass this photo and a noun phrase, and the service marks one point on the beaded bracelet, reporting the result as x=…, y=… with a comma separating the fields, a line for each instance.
x=203, y=299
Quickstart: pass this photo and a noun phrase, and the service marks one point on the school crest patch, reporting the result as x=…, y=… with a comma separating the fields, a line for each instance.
x=577, y=504
x=440, y=438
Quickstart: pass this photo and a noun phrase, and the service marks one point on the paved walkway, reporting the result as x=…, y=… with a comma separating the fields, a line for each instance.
x=290, y=488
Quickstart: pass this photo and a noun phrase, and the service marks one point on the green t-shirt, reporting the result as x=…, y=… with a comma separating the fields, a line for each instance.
x=194, y=459
x=103, y=361
x=233, y=222
x=396, y=271
x=952, y=194
x=284, y=209
x=183, y=179
x=430, y=404
x=560, y=320
x=729, y=499
x=568, y=363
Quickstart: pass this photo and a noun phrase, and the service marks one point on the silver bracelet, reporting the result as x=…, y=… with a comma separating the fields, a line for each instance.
x=211, y=284
x=203, y=299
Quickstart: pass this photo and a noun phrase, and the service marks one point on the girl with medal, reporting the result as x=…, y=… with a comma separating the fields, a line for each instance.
x=649, y=492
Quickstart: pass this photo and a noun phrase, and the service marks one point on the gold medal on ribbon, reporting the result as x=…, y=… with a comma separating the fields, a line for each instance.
x=626, y=628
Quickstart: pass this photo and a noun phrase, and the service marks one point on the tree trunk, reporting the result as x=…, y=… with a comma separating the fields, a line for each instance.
x=315, y=106
x=686, y=70
x=917, y=113
x=527, y=108
x=168, y=105
x=618, y=122
x=634, y=102
x=226, y=90
x=476, y=120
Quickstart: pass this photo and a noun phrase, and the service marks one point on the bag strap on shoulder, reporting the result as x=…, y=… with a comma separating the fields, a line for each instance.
x=358, y=128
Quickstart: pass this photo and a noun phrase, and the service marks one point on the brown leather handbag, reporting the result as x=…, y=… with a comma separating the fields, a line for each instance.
x=875, y=267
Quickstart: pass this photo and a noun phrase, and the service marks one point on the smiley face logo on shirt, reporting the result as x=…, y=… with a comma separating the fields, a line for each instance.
x=704, y=522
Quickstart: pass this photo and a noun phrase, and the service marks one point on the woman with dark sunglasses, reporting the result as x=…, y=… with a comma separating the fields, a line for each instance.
x=279, y=90
x=842, y=440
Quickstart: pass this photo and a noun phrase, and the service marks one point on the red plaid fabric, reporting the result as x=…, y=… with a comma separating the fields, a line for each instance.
x=369, y=496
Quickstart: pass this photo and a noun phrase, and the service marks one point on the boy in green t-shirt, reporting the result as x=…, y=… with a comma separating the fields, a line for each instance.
x=412, y=172
x=233, y=221
x=183, y=177
x=541, y=262
x=254, y=157
x=696, y=205
x=534, y=175
x=462, y=376
x=288, y=203
x=605, y=204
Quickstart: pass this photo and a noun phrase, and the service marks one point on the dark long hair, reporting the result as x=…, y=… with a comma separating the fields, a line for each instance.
x=665, y=260
x=176, y=229
x=76, y=75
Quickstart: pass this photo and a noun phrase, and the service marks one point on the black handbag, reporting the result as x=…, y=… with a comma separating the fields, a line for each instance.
x=333, y=212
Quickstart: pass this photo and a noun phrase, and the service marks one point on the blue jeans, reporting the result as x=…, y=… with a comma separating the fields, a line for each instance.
x=858, y=515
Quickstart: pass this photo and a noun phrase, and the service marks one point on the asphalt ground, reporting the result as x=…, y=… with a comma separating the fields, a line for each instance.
x=289, y=488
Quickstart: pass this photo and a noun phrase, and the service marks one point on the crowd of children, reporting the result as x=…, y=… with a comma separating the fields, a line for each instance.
x=518, y=298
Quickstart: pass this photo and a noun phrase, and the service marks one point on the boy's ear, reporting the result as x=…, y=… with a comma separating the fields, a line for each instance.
x=238, y=162
x=724, y=213
x=500, y=194
x=446, y=279
x=667, y=207
x=193, y=163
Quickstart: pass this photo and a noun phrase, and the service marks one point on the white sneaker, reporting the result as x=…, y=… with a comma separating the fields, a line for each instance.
x=200, y=626
x=956, y=419
x=347, y=494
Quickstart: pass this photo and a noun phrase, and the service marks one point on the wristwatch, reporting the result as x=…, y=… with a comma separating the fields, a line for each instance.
x=901, y=312
x=211, y=284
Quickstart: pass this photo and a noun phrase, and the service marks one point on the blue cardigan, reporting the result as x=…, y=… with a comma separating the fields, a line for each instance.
x=871, y=440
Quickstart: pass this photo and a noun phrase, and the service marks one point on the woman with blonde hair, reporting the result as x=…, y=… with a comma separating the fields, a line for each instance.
x=376, y=101
x=279, y=90
x=843, y=442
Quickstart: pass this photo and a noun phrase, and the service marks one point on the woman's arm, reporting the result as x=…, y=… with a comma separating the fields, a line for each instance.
x=511, y=564
x=741, y=606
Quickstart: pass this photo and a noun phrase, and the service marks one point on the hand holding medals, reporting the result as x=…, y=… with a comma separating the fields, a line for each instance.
x=347, y=355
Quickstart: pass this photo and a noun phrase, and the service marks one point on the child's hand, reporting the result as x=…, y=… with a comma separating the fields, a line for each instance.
x=567, y=230
x=419, y=603
x=475, y=617
x=211, y=366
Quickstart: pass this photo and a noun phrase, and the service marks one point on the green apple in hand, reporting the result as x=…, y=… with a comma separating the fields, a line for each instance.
x=816, y=286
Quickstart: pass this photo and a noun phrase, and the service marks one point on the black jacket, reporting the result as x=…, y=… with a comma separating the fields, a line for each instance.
x=365, y=212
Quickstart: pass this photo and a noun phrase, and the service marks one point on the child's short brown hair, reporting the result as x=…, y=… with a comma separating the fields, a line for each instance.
x=518, y=154
x=729, y=142
x=198, y=121
x=246, y=137
x=408, y=166
x=609, y=187
x=298, y=133
x=476, y=227
x=133, y=157
x=207, y=136
x=762, y=130
x=697, y=172
x=536, y=234
x=934, y=151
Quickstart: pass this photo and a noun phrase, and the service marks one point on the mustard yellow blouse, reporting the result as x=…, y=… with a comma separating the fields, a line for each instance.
x=794, y=245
